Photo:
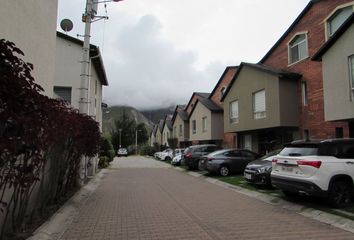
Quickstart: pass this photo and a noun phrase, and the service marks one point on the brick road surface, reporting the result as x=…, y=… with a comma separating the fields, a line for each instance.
x=145, y=199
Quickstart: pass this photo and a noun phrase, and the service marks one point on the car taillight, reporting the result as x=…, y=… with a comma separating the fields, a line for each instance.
x=188, y=155
x=210, y=159
x=274, y=160
x=315, y=164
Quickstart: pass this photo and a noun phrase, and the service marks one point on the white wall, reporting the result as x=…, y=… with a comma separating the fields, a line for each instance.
x=31, y=25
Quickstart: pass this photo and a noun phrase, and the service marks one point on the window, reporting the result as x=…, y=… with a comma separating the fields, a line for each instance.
x=306, y=134
x=180, y=130
x=337, y=19
x=259, y=105
x=351, y=71
x=298, y=48
x=304, y=93
x=339, y=132
x=222, y=92
x=194, y=126
x=234, y=112
x=204, y=124
x=63, y=93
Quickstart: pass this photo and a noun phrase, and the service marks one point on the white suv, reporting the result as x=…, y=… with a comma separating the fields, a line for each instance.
x=316, y=168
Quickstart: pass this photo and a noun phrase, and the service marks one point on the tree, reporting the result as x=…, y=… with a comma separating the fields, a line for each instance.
x=143, y=135
x=126, y=136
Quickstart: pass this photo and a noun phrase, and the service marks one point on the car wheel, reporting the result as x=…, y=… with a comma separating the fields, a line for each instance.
x=168, y=159
x=340, y=194
x=224, y=171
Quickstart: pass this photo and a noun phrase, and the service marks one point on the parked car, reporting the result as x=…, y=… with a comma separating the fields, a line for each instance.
x=176, y=160
x=317, y=168
x=258, y=171
x=192, y=154
x=166, y=154
x=122, y=152
x=227, y=161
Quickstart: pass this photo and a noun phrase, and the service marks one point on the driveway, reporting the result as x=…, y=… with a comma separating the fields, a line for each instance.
x=141, y=198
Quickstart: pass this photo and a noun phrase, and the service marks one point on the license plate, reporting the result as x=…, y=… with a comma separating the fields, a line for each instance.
x=286, y=169
x=248, y=176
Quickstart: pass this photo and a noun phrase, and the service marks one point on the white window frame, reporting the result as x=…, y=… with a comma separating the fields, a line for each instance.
x=262, y=113
x=290, y=47
x=304, y=92
x=332, y=15
x=351, y=76
x=194, y=126
x=222, y=92
x=204, y=124
x=234, y=116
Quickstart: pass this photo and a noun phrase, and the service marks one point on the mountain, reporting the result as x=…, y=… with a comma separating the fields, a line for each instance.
x=115, y=112
x=156, y=114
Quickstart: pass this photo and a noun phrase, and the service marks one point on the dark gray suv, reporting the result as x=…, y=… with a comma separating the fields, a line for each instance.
x=192, y=154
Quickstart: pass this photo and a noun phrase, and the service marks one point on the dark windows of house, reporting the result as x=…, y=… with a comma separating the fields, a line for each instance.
x=222, y=92
x=259, y=105
x=297, y=48
x=339, y=132
x=304, y=93
x=180, y=130
x=194, y=126
x=204, y=124
x=337, y=19
x=234, y=112
x=63, y=93
x=351, y=72
x=306, y=134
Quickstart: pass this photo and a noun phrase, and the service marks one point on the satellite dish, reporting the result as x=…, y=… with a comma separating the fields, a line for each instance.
x=67, y=25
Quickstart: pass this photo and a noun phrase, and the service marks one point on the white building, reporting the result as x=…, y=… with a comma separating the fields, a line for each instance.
x=68, y=70
x=31, y=25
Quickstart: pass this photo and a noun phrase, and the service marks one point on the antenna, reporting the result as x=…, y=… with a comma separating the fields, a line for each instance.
x=67, y=25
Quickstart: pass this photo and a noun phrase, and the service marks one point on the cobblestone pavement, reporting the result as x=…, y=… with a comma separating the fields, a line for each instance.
x=145, y=199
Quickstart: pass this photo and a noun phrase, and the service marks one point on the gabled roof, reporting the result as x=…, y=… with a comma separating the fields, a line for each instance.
x=155, y=129
x=94, y=51
x=333, y=39
x=297, y=20
x=161, y=124
x=167, y=121
x=201, y=94
x=183, y=115
x=210, y=105
x=221, y=78
x=263, y=68
x=177, y=109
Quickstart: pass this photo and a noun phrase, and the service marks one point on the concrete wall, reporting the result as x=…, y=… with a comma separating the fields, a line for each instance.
x=338, y=102
x=31, y=25
x=185, y=129
x=166, y=134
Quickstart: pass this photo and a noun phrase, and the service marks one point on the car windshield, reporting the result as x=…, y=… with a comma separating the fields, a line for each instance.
x=296, y=151
x=268, y=156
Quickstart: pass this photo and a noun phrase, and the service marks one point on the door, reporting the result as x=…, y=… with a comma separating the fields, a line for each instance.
x=247, y=142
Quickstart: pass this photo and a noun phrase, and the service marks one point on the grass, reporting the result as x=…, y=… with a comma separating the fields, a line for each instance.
x=309, y=202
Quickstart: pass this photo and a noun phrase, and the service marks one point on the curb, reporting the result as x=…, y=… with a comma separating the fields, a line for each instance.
x=56, y=225
x=318, y=215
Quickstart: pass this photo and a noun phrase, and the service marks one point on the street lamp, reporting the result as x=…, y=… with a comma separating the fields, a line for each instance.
x=136, y=141
x=120, y=137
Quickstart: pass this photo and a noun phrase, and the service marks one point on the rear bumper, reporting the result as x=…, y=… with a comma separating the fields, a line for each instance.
x=298, y=186
x=257, y=178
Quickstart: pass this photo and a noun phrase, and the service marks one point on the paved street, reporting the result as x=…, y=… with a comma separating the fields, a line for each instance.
x=142, y=198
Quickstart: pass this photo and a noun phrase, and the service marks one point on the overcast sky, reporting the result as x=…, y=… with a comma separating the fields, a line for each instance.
x=158, y=52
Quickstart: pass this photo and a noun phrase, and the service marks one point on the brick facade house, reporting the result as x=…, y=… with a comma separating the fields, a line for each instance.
x=310, y=27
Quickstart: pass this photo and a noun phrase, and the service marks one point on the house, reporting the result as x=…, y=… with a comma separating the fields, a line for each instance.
x=261, y=106
x=229, y=139
x=153, y=141
x=180, y=119
x=293, y=51
x=180, y=125
x=68, y=70
x=22, y=22
x=159, y=130
x=205, y=121
x=166, y=130
x=337, y=56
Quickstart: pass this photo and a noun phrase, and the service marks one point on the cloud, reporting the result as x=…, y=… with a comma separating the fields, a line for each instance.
x=146, y=70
